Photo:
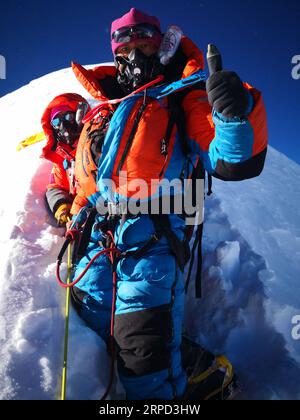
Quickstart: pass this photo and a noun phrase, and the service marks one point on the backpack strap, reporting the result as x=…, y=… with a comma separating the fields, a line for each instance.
x=177, y=116
x=80, y=247
x=209, y=186
x=198, y=279
x=198, y=245
x=180, y=249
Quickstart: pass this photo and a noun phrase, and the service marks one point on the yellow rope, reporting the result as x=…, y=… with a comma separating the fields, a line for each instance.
x=31, y=140
x=66, y=339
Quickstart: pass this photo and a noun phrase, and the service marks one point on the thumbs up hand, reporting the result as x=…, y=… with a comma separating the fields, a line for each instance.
x=225, y=90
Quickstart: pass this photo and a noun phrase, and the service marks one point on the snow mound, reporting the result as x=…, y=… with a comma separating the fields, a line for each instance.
x=250, y=275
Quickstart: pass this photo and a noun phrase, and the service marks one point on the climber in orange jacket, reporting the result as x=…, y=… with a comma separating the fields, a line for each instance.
x=171, y=118
x=61, y=122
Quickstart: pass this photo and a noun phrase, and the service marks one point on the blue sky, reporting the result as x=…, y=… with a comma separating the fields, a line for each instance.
x=257, y=38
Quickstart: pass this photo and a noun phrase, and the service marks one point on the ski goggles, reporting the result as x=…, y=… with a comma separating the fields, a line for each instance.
x=129, y=33
x=68, y=116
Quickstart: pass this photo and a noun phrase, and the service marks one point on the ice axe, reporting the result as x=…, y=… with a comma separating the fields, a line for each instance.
x=214, y=59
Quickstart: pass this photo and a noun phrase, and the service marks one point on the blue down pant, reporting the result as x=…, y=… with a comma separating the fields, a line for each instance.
x=149, y=309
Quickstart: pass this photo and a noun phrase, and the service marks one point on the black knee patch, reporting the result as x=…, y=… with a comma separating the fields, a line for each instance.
x=142, y=338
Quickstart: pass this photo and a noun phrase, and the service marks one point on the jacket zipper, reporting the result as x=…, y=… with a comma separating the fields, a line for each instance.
x=132, y=134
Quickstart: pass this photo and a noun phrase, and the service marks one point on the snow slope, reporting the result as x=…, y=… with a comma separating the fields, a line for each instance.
x=251, y=279
x=251, y=271
x=31, y=302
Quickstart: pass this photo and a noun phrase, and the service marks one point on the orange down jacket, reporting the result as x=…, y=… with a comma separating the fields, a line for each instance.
x=231, y=150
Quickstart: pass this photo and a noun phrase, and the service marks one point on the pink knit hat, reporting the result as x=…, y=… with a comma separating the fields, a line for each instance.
x=58, y=109
x=132, y=18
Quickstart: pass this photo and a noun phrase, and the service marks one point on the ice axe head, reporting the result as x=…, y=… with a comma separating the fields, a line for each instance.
x=214, y=59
